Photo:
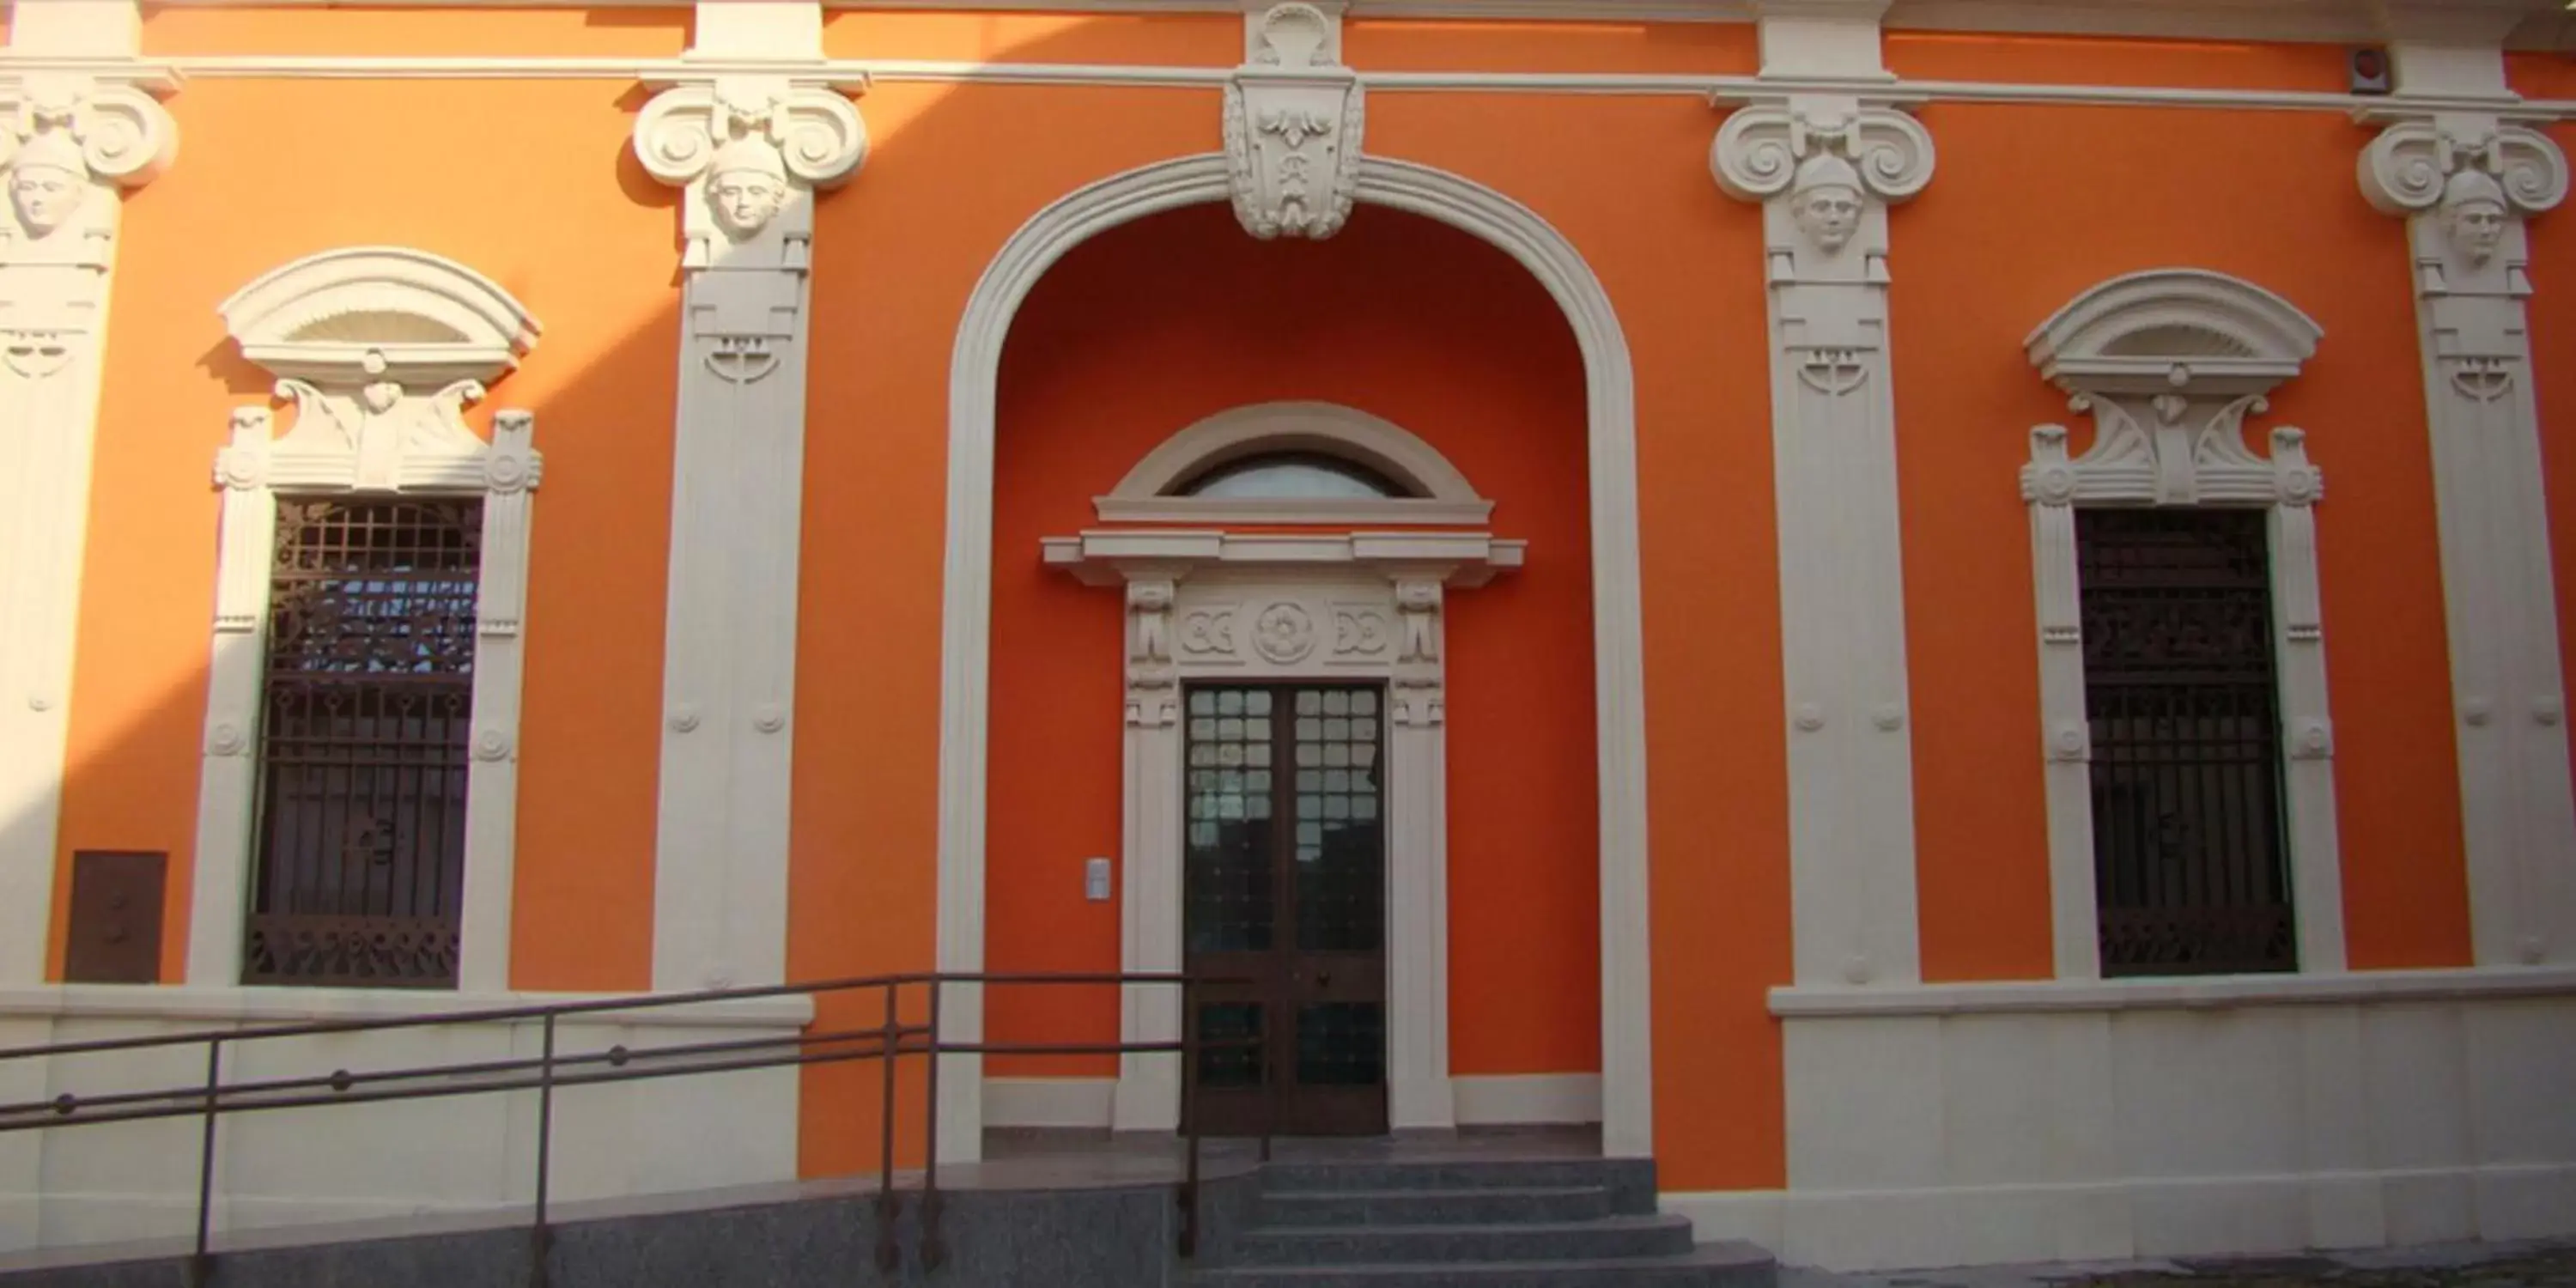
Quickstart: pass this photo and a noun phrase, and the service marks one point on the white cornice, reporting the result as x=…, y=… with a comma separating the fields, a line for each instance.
x=2544, y=24
x=1720, y=88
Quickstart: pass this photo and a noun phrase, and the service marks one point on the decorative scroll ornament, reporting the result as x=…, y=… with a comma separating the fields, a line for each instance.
x=1153, y=680
x=2170, y=363
x=67, y=142
x=1825, y=168
x=748, y=151
x=1293, y=116
x=1417, y=695
x=2469, y=181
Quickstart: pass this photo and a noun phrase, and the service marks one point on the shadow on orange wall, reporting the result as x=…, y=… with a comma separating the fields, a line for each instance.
x=1149, y=327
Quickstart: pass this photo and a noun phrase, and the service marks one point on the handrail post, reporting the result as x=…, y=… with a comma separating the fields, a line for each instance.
x=934, y=1250
x=889, y=1203
x=201, y=1264
x=1189, y=1121
x=542, y=1238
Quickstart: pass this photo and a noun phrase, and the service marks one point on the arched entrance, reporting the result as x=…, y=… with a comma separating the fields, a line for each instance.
x=1626, y=1107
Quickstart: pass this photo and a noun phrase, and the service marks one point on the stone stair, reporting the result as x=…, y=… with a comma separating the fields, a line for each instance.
x=1557, y=1223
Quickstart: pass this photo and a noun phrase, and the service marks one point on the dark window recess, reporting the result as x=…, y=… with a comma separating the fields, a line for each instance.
x=116, y=917
x=2188, y=850
x=364, y=744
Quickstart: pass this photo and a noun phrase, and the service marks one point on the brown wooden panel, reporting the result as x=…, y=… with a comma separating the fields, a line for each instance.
x=115, y=934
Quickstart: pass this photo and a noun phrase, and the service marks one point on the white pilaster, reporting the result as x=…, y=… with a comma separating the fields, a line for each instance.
x=748, y=148
x=1825, y=168
x=1148, y=1096
x=69, y=142
x=2466, y=182
x=1419, y=1095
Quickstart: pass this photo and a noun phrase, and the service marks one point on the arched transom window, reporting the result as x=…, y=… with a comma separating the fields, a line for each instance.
x=1296, y=462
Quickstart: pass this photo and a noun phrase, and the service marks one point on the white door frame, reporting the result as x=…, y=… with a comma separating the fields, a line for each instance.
x=1325, y=608
x=1627, y=1055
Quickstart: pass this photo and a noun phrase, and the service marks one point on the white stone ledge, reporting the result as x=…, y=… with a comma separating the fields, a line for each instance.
x=2171, y=994
x=218, y=1007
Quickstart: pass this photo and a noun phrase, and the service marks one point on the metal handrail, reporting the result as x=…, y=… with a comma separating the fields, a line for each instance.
x=889, y=1042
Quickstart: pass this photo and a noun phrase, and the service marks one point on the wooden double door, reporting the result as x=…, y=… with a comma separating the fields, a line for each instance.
x=1284, y=893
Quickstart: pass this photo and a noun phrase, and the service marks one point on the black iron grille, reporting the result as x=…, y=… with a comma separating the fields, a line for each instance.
x=364, y=743
x=2178, y=687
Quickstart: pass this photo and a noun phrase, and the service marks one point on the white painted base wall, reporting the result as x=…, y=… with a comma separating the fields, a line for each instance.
x=1483, y=1101
x=2023, y=1123
x=127, y=1181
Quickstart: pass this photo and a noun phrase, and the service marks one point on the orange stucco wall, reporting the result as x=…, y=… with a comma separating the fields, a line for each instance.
x=2030, y=206
x=1149, y=328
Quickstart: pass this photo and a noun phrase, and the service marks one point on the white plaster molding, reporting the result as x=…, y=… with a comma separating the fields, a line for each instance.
x=2222, y=992
x=210, y=1006
x=68, y=143
x=1627, y=1036
x=2169, y=363
x=2466, y=183
x=748, y=150
x=2323, y=21
x=2018, y=1122
x=1107, y=556
x=1585, y=84
x=380, y=349
x=1437, y=493
x=1293, y=116
x=1825, y=169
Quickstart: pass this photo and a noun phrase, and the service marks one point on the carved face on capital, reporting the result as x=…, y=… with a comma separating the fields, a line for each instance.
x=45, y=196
x=1829, y=215
x=2476, y=226
x=746, y=200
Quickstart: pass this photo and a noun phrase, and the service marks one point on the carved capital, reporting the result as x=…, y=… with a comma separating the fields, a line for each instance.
x=67, y=139
x=1804, y=142
x=2415, y=164
x=1293, y=118
x=750, y=150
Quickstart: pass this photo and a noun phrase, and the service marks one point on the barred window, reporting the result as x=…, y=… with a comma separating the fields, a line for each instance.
x=364, y=743
x=2188, y=848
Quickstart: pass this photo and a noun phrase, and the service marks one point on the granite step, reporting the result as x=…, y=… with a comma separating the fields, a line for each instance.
x=1631, y=1182
x=1455, y=1206
x=1358, y=1245
x=1716, y=1265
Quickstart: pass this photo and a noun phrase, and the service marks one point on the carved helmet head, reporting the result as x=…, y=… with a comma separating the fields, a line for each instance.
x=47, y=180
x=2474, y=213
x=1825, y=200
x=746, y=184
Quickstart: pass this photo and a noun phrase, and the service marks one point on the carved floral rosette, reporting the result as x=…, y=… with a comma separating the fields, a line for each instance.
x=1293, y=119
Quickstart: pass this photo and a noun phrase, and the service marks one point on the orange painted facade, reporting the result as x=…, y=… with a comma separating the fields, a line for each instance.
x=1150, y=327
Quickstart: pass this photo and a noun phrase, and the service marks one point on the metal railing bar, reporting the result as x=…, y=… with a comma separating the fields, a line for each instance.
x=345, y=1079
x=887, y=1043
x=188, y=1102
x=597, y=1006
x=471, y=1089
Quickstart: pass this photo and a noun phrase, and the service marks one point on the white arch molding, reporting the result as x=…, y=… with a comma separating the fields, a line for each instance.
x=1627, y=1127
